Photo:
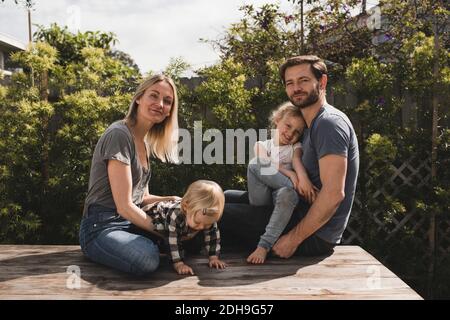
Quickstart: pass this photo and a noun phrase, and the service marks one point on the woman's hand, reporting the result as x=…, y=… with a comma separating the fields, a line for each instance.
x=182, y=268
x=215, y=262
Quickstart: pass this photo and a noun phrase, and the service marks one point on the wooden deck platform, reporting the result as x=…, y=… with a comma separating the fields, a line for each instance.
x=41, y=272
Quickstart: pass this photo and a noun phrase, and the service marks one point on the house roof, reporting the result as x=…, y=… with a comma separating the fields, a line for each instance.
x=8, y=44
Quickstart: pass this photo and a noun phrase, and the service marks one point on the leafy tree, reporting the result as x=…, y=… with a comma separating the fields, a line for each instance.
x=227, y=102
x=264, y=34
x=335, y=31
x=88, y=59
x=82, y=86
x=400, y=61
x=123, y=57
x=224, y=93
x=381, y=57
x=49, y=128
x=25, y=3
x=257, y=44
x=176, y=67
x=70, y=45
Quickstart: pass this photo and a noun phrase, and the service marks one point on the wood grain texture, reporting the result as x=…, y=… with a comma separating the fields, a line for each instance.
x=40, y=272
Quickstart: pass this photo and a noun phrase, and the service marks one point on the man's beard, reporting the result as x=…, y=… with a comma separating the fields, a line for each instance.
x=310, y=99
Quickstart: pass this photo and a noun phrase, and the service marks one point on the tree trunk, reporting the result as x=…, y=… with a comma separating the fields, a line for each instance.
x=302, y=40
x=45, y=134
x=434, y=145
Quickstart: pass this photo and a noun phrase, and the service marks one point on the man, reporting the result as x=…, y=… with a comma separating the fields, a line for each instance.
x=331, y=159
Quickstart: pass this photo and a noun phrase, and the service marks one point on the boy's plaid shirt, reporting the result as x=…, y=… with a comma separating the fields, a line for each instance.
x=170, y=221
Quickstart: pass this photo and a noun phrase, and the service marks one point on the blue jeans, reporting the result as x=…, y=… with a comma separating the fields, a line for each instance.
x=108, y=239
x=267, y=188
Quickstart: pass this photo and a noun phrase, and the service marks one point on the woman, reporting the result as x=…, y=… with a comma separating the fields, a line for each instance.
x=113, y=224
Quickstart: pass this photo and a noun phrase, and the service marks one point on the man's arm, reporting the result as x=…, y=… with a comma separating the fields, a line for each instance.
x=333, y=169
x=304, y=185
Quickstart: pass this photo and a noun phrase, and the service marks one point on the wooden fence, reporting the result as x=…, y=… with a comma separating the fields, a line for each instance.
x=415, y=172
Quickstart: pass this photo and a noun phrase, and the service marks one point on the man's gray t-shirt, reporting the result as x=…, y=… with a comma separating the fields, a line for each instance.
x=116, y=143
x=331, y=132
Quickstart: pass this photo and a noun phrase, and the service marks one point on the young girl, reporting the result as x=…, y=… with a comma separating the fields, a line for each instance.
x=181, y=219
x=277, y=173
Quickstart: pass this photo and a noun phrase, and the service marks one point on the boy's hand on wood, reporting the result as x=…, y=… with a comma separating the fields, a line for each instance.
x=215, y=262
x=182, y=268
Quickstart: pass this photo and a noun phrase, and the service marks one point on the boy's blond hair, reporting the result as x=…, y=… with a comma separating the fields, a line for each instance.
x=203, y=195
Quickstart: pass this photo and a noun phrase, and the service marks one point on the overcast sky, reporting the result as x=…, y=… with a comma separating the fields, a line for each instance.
x=151, y=31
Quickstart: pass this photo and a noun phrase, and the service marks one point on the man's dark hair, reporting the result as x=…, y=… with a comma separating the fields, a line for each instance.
x=318, y=66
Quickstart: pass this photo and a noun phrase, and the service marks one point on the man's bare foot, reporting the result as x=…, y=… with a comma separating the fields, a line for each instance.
x=258, y=256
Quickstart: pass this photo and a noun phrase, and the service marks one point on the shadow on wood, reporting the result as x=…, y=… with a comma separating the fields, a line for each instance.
x=41, y=272
x=238, y=272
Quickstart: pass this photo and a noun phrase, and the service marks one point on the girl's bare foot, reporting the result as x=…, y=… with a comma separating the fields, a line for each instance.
x=258, y=256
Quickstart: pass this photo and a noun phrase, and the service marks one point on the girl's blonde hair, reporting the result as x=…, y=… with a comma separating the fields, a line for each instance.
x=286, y=108
x=162, y=138
x=203, y=195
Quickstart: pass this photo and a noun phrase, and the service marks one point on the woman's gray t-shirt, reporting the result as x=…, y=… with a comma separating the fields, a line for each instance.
x=116, y=143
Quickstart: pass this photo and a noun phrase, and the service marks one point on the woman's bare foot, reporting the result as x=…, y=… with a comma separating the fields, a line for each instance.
x=258, y=256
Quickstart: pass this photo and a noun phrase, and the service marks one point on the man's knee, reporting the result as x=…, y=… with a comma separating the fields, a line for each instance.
x=236, y=196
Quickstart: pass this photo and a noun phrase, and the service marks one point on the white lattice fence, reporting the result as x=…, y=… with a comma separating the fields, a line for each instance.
x=414, y=172
x=353, y=231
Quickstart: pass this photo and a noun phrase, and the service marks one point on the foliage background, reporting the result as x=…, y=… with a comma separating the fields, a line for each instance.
x=74, y=85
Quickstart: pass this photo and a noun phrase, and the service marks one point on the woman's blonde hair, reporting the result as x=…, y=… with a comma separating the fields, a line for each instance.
x=286, y=108
x=162, y=138
x=203, y=195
